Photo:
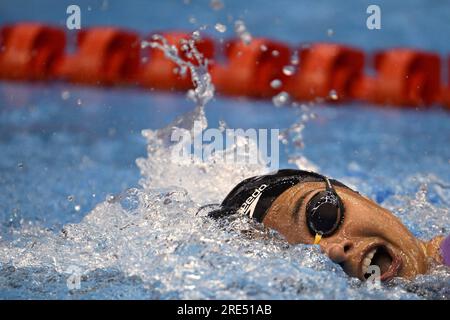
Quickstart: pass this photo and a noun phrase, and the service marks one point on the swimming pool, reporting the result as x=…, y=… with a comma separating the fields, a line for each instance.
x=74, y=201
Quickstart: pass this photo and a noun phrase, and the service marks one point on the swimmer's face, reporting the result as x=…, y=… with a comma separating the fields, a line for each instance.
x=369, y=234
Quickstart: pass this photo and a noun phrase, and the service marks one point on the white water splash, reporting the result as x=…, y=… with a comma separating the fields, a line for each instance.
x=203, y=90
x=242, y=32
x=160, y=169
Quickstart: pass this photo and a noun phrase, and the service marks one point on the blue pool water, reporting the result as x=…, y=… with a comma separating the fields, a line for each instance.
x=73, y=195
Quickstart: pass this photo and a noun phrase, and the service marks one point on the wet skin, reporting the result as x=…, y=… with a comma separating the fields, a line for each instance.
x=369, y=233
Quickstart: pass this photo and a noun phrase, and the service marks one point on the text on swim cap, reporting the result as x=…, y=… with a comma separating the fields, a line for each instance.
x=248, y=207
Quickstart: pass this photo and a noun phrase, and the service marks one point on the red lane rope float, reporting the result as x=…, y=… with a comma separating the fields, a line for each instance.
x=109, y=56
x=404, y=77
x=30, y=51
x=161, y=73
x=250, y=68
x=325, y=67
x=446, y=89
x=105, y=56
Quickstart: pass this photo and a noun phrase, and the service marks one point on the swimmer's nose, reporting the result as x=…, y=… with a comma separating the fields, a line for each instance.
x=339, y=252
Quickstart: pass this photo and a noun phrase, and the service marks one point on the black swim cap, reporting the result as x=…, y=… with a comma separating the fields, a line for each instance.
x=254, y=196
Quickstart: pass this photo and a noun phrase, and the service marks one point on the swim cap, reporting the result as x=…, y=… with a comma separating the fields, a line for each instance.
x=254, y=196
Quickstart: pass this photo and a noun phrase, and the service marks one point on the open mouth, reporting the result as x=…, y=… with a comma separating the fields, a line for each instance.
x=384, y=258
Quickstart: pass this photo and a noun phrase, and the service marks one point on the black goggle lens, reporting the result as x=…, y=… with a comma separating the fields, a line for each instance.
x=324, y=213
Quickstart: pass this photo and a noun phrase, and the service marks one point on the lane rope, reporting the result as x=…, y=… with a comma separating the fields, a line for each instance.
x=262, y=68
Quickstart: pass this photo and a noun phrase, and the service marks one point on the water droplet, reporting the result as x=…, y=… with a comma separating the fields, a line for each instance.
x=216, y=5
x=20, y=165
x=129, y=200
x=333, y=95
x=281, y=99
x=192, y=20
x=191, y=95
x=263, y=47
x=330, y=32
x=184, y=47
x=222, y=125
x=282, y=137
x=275, y=53
x=196, y=35
x=79, y=101
x=220, y=27
x=77, y=208
x=65, y=95
x=70, y=198
x=294, y=58
x=239, y=26
x=275, y=84
x=241, y=31
x=246, y=37
x=289, y=70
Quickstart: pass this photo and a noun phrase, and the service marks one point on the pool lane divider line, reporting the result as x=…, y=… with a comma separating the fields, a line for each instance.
x=262, y=68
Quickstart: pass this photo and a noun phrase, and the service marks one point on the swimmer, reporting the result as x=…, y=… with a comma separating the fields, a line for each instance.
x=355, y=232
